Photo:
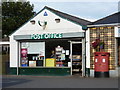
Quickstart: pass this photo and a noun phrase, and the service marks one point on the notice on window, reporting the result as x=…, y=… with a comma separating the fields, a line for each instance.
x=32, y=63
x=69, y=64
x=63, y=51
x=62, y=56
x=67, y=52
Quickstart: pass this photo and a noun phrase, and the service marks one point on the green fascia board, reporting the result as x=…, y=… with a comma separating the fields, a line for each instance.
x=52, y=12
x=40, y=71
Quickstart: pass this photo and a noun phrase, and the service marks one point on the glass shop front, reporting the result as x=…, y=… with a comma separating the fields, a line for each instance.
x=54, y=53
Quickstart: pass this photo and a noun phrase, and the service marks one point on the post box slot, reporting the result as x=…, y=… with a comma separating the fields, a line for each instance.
x=96, y=55
x=103, y=55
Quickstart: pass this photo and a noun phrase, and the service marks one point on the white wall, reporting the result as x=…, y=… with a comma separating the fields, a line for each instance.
x=88, y=48
x=13, y=52
x=64, y=26
x=117, y=31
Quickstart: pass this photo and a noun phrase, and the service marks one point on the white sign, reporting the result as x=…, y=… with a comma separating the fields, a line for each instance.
x=117, y=32
x=95, y=60
x=67, y=52
x=46, y=36
x=103, y=60
x=69, y=64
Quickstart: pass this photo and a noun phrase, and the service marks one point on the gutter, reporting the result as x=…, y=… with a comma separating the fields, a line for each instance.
x=114, y=24
x=1, y=43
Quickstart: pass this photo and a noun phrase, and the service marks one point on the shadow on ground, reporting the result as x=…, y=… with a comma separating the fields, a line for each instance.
x=6, y=82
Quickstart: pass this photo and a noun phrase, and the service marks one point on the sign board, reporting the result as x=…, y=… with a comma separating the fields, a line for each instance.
x=50, y=36
x=117, y=32
x=46, y=36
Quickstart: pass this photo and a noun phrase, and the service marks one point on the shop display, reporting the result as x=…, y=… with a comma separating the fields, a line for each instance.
x=59, y=64
x=76, y=63
x=39, y=60
x=60, y=56
x=24, y=52
x=32, y=63
x=69, y=64
x=24, y=61
x=76, y=57
x=67, y=52
x=50, y=62
x=39, y=63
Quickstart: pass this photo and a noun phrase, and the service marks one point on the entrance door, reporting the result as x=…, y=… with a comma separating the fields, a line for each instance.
x=76, y=58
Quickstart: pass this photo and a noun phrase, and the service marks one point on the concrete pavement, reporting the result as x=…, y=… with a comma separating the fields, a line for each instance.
x=58, y=82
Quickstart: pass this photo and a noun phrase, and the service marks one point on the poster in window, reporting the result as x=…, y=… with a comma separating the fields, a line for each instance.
x=24, y=52
x=32, y=63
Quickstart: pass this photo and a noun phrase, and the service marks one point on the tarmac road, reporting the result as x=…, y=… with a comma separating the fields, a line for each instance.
x=58, y=82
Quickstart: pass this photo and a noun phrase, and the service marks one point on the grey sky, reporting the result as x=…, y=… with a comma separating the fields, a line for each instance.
x=86, y=10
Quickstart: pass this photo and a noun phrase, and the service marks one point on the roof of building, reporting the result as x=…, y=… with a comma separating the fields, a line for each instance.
x=5, y=39
x=111, y=19
x=69, y=17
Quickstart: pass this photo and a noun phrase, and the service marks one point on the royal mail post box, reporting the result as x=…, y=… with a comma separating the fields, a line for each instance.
x=101, y=63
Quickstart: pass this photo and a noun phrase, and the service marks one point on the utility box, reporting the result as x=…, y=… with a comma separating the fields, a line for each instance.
x=101, y=63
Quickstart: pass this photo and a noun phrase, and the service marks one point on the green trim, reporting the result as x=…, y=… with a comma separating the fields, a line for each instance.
x=83, y=26
x=88, y=72
x=13, y=71
x=41, y=71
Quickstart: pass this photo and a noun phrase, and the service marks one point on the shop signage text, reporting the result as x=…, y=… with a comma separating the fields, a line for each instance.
x=46, y=36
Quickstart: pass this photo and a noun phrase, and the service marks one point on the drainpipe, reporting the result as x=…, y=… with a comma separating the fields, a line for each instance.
x=18, y=57
x=85, y=29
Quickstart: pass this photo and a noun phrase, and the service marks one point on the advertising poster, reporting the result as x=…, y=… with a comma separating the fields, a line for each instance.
x=24, y=52
x=24, y=57
x=32, y=63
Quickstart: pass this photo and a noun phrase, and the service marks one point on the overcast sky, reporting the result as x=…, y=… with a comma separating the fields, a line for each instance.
x=86, y=9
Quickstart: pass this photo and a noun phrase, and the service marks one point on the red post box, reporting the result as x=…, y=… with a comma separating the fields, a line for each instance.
x=101, y=63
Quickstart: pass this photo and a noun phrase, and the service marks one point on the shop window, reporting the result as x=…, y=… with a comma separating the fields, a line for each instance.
x=32, y=54
x=57, y=53
x=5, y=49
x=50, y=53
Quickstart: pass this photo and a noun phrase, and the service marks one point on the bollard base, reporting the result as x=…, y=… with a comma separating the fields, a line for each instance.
x=101, y=74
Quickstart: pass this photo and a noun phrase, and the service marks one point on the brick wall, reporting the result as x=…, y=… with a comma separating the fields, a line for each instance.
x=106, y=35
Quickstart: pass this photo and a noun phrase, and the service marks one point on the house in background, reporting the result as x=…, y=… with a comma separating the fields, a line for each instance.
x=4, y=45
x=4, y=51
